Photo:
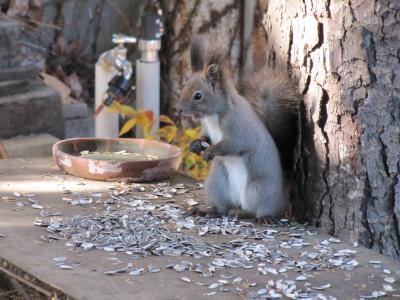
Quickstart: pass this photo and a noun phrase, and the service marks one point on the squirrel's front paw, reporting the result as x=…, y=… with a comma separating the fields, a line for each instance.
x=208, y=155
x=199, y=145
x=196, y=147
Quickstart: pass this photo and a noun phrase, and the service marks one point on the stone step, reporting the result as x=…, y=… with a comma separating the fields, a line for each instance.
x=75, y=110
x=12, y=87
x=27, y=105
x=80, y=127
x=36, y=110
x=21, y=45
x=79, y=122
x=34, y=145
x=5, y=62
x=18, y=73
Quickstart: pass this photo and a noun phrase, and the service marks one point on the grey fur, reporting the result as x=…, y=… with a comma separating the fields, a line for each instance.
x=246, y=136
x=276, y=100
x=244, y=140
x=196, y=53
x=217, y=177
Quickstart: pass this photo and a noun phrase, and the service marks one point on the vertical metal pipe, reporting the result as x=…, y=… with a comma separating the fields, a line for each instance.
x=148, y=65
x=106, y=122
x=148, y=81
x=148, y=91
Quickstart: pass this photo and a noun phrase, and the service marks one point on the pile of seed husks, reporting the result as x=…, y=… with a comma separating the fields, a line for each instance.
x=138, y=226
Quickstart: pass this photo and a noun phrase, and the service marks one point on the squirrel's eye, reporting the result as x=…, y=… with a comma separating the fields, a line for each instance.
x=197, y=95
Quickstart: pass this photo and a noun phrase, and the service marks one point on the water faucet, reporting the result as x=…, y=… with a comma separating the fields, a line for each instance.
x=120, y=85
x=152, y=30
x=115, y=75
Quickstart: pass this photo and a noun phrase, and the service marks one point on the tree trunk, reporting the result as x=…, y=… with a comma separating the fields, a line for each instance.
x=346, y=57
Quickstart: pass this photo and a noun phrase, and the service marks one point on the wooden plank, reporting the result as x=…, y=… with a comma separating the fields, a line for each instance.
x=26, y=282
x=23, y=247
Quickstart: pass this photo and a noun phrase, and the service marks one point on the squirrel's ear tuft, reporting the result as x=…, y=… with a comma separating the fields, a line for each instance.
x=197, y=52
x=212, y=72
x=215, y=62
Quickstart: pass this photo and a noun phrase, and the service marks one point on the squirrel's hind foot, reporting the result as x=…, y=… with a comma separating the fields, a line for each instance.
x=267, y=220
x=194, y=211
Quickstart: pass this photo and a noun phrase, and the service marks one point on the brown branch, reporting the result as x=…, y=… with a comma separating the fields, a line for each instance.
x=99, y=12
x=171, y=16
x=59, y=18
x=216, y=16
x=93, y=23
x=122, y=15
x=185, y=26
x=28, y=23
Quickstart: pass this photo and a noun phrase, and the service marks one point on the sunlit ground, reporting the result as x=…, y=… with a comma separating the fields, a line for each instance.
x=24, y=184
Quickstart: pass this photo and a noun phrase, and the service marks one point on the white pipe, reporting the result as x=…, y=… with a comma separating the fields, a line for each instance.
x=106, y=122
x=148, y=91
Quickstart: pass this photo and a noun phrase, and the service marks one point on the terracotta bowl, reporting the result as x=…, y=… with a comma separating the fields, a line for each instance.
x=67, y=156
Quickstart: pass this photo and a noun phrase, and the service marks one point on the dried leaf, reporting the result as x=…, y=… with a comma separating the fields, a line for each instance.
x=126, y=110
x=128, y=126
x=167, y=120
x=74, y=83
x=59, y=86
x=168, y=133
x=146, y=119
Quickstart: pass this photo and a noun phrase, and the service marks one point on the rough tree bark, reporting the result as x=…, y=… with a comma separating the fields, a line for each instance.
x=346, y=57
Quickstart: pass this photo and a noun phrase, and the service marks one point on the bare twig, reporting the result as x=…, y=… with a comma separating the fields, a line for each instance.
x=95, y=23
x=25, y=23
x=122, y=15
x=188, y=21
x=20, y=288
x=28, y=23
x=59, y=18
x=99, y=12
x=26, y=282
x=217, y=17
x=8, y=293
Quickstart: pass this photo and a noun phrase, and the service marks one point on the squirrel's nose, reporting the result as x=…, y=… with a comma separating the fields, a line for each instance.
x=185, y=109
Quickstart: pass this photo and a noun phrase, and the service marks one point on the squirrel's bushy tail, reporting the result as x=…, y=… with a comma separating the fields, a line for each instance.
x=275, y=98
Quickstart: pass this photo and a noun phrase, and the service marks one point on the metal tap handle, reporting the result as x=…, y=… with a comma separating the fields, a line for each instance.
x=122, y=39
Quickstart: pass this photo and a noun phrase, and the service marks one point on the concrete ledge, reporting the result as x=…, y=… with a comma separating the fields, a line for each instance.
x=75, y=110
x=83, y=127
x=12, y=87
x=23, y=72
x=35, y=145
x=39, y=110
